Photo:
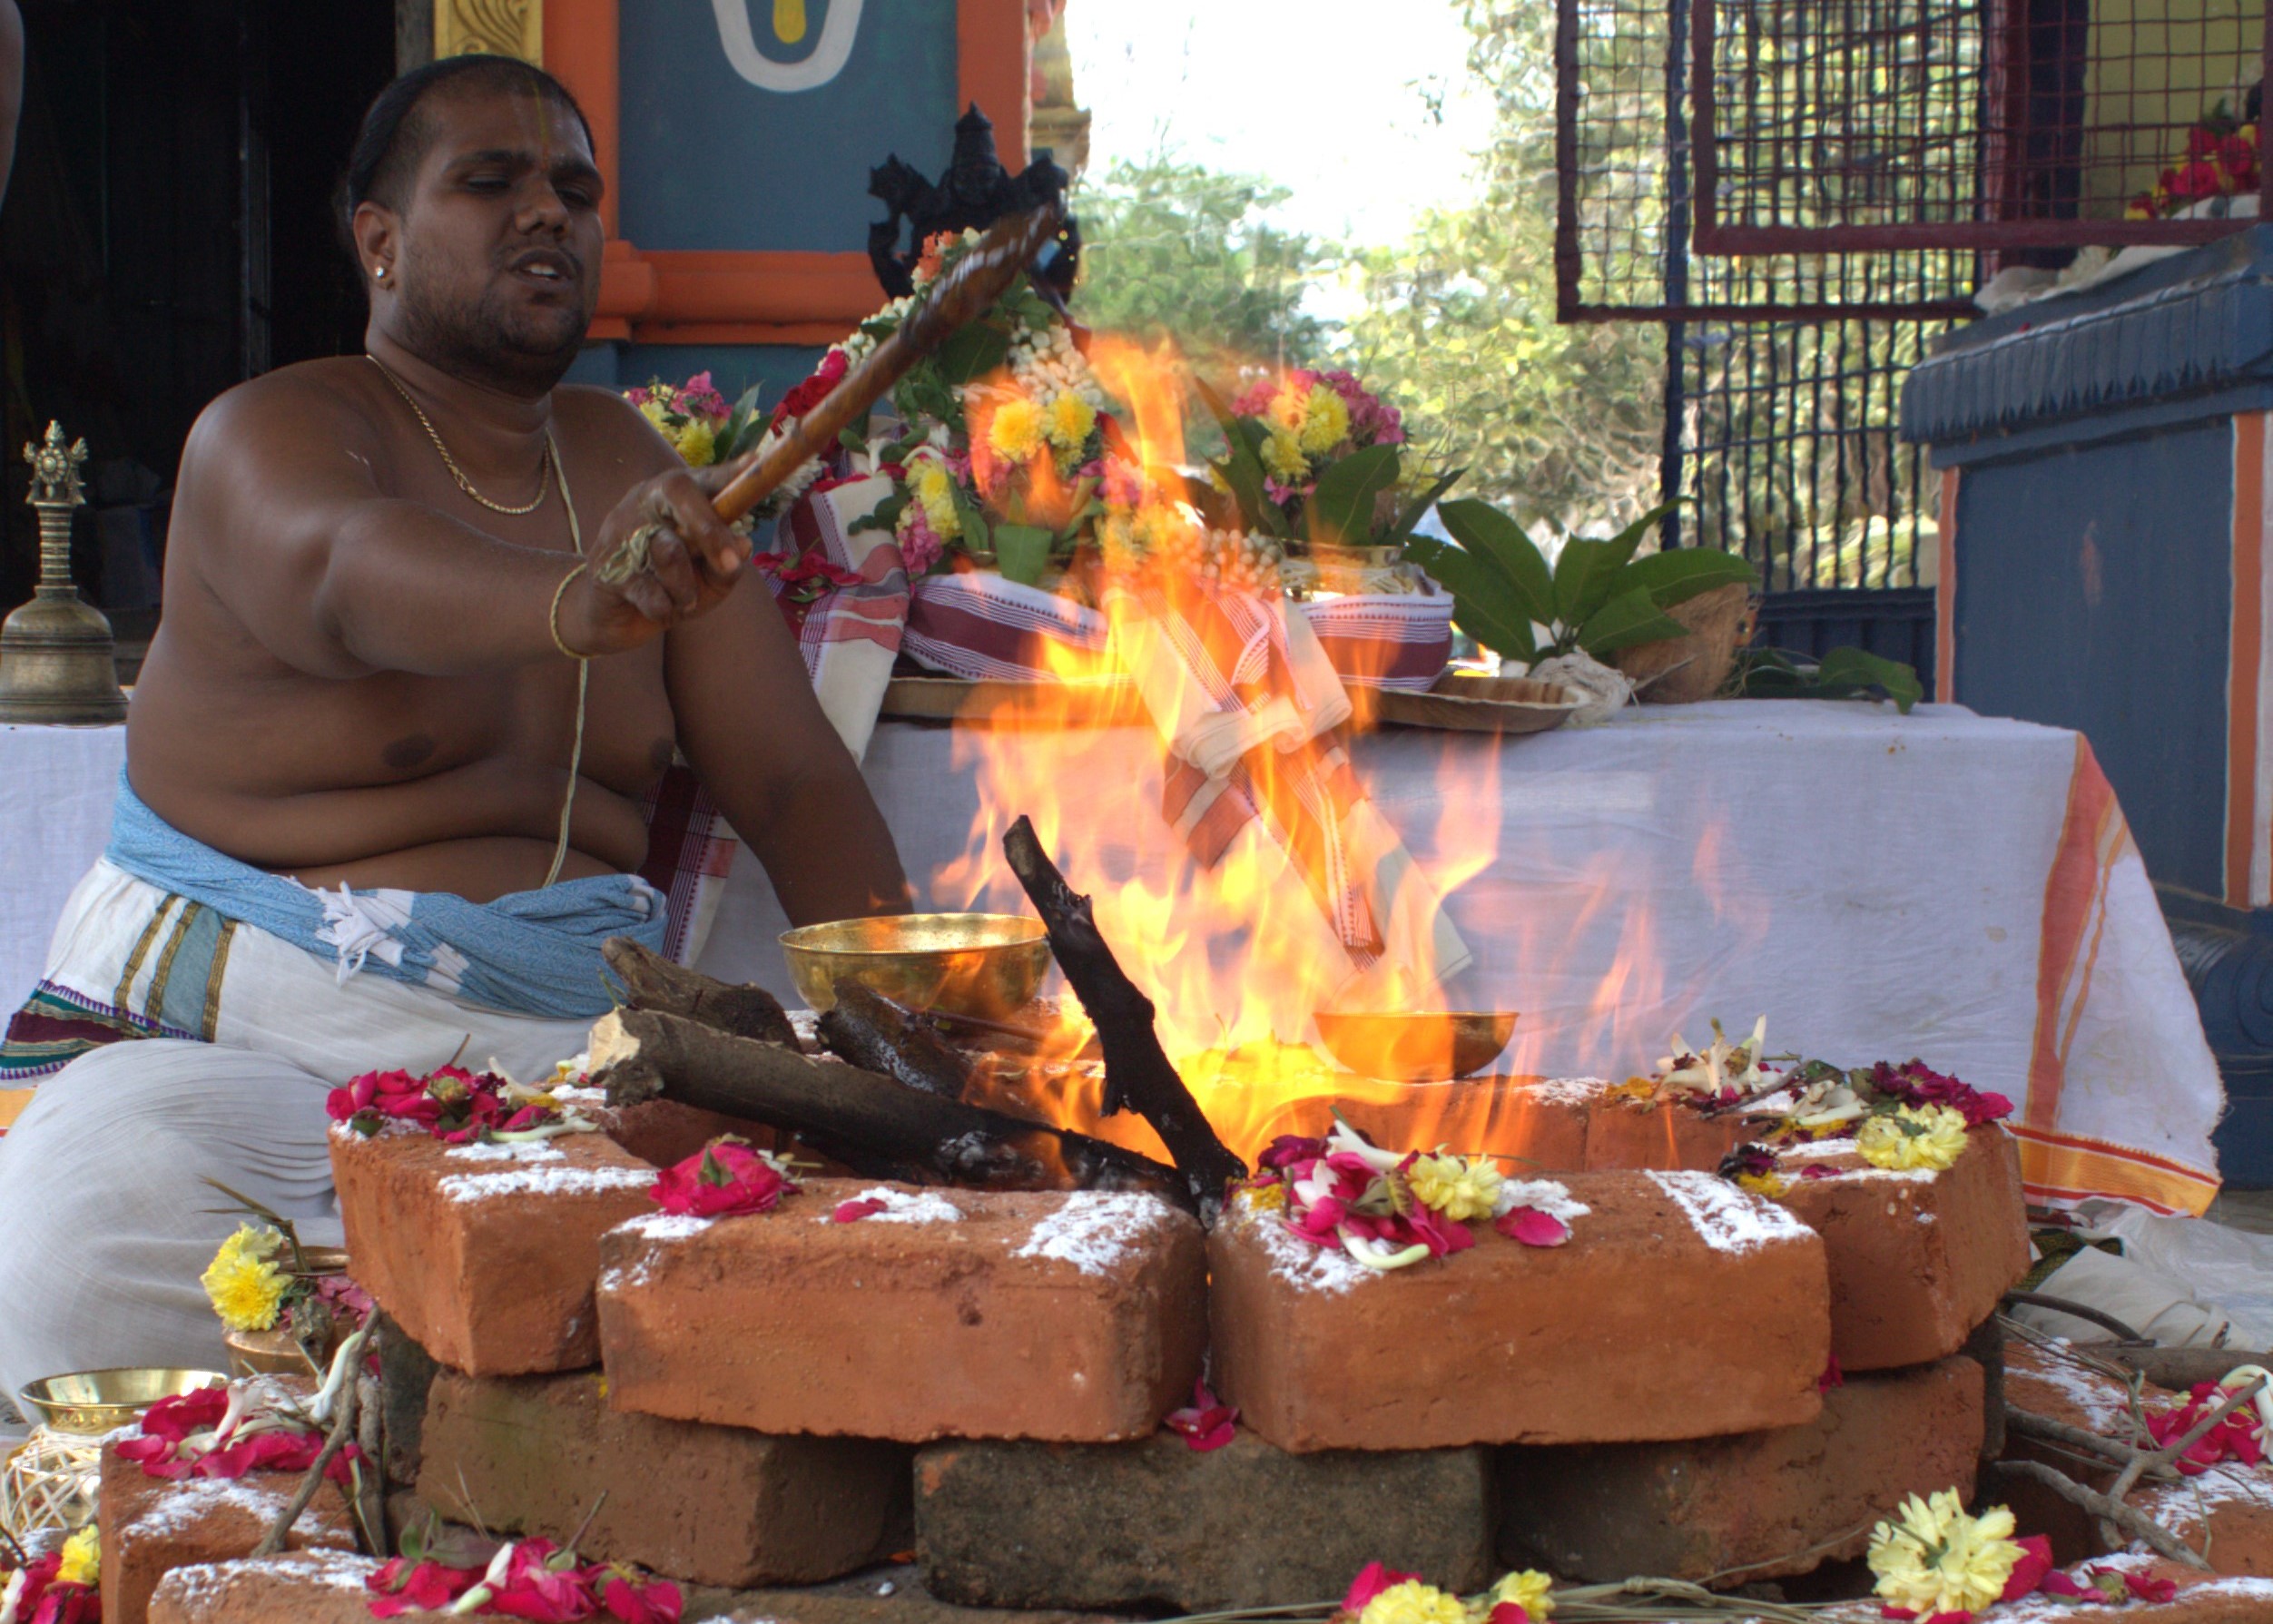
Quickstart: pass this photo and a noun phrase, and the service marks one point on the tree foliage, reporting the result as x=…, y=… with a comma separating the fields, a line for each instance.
x=1172, y=247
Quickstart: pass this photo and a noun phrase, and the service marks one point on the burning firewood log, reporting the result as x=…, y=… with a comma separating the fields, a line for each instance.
x=651, y=981
x=874, y=1033
x=877, y=1126
x=1137, y=1070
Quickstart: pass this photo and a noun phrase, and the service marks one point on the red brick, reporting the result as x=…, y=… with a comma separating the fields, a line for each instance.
x=151, y=1527
x=713, y=1505
x=1544, y=1122
x=1163, y=1525
x=665, y=1132
x=1650, y=1322
x=485, y=1256
x=1077, y=1317
x=1917, y=1259
x=1769, y=1503
x=1622, y=1135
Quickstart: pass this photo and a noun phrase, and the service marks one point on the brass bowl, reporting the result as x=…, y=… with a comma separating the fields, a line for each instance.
x=273, y=1353
x=1416, y=1047
x=985, y=965
x=92, y=1401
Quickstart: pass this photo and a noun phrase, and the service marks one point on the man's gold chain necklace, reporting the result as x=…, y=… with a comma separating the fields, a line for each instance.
x=544, y=466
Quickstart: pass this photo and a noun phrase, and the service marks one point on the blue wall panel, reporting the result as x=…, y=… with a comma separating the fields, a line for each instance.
x=712, y=160
x=2094, y=592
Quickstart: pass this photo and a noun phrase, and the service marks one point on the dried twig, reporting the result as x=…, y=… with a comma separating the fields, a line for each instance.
x=342, y=1424
x=2170, y=1454
x=371, y=1502
x=2134, y=1523
x=2112, y=1451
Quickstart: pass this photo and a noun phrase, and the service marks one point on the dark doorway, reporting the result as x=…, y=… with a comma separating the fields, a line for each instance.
x=166, y=235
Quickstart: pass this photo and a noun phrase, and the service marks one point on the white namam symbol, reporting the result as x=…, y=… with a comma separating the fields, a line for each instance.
x=823, y=63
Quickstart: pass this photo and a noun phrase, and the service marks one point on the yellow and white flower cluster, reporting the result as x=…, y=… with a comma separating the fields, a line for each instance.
x=1935, y=1559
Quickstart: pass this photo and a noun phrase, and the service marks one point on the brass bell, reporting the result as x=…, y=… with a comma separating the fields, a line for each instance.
x=57, y=664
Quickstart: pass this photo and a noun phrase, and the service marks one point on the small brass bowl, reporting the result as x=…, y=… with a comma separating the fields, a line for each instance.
x=1416, y=1047
x=985, y=965
x=89, y=1403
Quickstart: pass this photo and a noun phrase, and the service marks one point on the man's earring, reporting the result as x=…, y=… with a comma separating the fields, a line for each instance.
x=380, y=271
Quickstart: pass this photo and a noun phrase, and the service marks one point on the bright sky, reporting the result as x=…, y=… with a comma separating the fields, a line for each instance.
x=1332, y=99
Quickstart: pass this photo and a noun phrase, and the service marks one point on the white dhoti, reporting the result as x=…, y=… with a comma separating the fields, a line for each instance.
x=107, y=1219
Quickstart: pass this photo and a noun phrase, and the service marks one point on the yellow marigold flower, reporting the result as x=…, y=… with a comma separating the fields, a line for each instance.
x=1528, y=1588
x=1413, y=1602
x=1266, y=1198
x=653, y=410
x=1454, y=1185
x=246, y=1286
x=83, y=1558
x=696, y=445
x=1283, y=455
x=1930, y=1137
x=1070, y=420
x=1325, y=420
x=1015, y=432
x=1774, y=1185
x=935, y=491
x=1938, y=1560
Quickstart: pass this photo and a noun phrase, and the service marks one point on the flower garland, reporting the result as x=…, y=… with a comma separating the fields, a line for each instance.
x=1380, y=1595
x=526, y=1579
x=457, y=1107
x=1909, y=1116
x=257, y=1279
x=725, y=1177
x=1389, y=1209
x=64, y=1587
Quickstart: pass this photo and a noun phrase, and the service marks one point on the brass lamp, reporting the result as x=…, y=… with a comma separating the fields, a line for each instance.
x=57, y=660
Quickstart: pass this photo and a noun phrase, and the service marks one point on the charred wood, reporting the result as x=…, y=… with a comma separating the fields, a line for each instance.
x=1138, y=1074
x=651, y=981
x=876, y=1127
x=878, y=1035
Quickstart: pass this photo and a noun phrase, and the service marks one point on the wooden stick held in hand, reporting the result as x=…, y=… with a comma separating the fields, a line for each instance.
x=957, y=299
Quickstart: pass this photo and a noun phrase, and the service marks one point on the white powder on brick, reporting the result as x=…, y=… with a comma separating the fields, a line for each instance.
x=198, y=1585
x=524, y=1154
x=545, y=1181
x=1550, y=1198
x=2105, y=1407
x=1726, y=1218
x=192, y=1500
x=664, y=1227
x=1293, y=1259
x=900, y=1206
x=1097, y=1230
x=1567, y=1090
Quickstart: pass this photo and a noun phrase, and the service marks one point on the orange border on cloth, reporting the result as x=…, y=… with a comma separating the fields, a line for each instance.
x=2092, y=837
x=2244, y=664
x=736, y=296
x=2058, y=1168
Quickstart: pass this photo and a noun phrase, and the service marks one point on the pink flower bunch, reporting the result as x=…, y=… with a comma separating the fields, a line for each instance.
x=921, y=546
x=2239, y=1437
x=809, y=394
x=47, y=1599
x=723, y=1178
x=698, y=397
x=1206, y=1422
x=1913, y=1083
x=532, y=1578
x=1372, y=420
x=225, y=1432
x=453, y=1103
x=1388, y=1209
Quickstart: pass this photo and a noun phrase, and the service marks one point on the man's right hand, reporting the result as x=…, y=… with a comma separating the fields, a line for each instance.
x=694, y=560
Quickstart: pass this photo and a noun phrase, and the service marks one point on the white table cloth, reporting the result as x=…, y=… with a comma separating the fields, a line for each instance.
x=1944, y=885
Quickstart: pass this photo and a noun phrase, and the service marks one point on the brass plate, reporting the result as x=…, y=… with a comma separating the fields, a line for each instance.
x=980, y=964
x=1423, y=1046
x=98, y=1401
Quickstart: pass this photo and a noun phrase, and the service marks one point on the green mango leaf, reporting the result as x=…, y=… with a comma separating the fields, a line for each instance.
x=1341, y=506
x=972, y=352
x=884, y=516
x=1487, y=608
x=1635, y=534
x=1587, y=571
x=1492, y=537
x=1417, y=509
x=1676, y=576
x=1510, y=638
x=1022, y=551
x=1242, y=470
x=1857, y=672
x=1626, y=619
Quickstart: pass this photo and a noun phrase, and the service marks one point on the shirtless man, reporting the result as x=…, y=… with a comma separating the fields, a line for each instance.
x=351, y=837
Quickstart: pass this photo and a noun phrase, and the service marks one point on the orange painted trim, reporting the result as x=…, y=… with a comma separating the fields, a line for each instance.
x=994, y=66
x=1945, y=593
x=2064, y=1168
x=2075, y=909
x=580, y=50
x=801, y=333
x=2244, y=655
x=673, y=296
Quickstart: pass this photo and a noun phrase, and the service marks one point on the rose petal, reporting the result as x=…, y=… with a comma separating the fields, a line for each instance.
x=2029, y=1572
x=1372, y=1579
x=1532, y=1226
x=852, y=1212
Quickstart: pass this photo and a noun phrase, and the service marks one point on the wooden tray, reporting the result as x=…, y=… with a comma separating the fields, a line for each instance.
x=1112, y=703
x=1479, y=705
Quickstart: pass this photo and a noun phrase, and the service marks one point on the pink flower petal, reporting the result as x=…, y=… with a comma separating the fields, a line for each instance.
x=852, y=1212
x=1532, y=1226
x=1372, y=1579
